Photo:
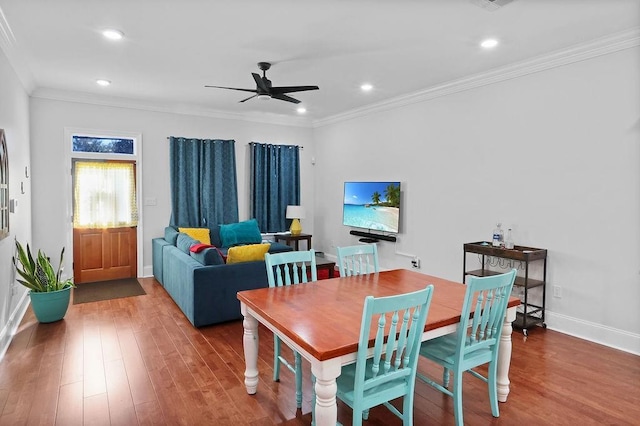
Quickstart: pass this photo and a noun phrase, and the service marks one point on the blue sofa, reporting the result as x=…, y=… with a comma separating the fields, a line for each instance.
x=201, y=284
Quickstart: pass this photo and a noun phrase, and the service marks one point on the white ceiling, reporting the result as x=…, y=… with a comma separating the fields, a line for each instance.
x=173, y=48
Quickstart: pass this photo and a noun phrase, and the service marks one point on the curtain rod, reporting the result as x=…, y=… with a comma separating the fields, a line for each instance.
x=299, y=146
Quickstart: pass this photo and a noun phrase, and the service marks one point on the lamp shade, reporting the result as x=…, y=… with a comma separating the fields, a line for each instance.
x=295, y=212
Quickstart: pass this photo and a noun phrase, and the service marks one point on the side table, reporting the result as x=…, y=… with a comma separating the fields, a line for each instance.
x=295, y=239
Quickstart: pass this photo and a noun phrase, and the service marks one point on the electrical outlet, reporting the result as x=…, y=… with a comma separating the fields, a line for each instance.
x=415, y=262
x=557, y=291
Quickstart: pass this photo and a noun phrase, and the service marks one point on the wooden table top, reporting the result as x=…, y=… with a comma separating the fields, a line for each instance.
x=323, y=317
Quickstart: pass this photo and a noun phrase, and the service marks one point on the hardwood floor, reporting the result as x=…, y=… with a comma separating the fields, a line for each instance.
x=139, y=361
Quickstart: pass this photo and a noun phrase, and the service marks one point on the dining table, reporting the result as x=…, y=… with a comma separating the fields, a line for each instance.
x=321, y=321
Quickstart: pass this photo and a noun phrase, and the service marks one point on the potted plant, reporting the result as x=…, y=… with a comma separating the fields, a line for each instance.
x=49, y=293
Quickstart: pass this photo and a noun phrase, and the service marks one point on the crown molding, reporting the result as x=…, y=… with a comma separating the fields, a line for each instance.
x=118, y=102
x=580, y=52
x=17, y=62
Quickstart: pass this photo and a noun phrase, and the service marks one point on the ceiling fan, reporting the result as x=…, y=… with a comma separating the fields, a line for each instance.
x=264, y=89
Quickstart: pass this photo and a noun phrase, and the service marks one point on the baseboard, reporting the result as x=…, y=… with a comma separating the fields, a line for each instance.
x=593, y=332
x=147, y=271
x=12, y=325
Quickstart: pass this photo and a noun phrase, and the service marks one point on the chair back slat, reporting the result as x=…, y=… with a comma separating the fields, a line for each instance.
x=358, y=260
x=489, y=296
x=399, y=322
x=290, y=267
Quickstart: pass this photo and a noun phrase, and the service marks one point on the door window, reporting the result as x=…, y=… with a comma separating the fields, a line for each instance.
x=104, y=194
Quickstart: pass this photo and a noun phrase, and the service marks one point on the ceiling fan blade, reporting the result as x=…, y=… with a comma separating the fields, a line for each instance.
x=234, y=88
x=260, y=82
x=290, y=89
x=285, y=98
x=250, y=97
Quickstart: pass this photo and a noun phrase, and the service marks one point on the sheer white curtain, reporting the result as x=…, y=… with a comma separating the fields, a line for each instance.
x=104, y=195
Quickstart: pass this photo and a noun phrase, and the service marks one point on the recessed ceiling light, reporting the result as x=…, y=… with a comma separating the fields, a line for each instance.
x=489, y=43
x=301, y=110
x=103, y=83
x=113, y=34
x=366, y=87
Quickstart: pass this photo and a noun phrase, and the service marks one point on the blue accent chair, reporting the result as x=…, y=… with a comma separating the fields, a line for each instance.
x=391, y=372
x=287, y=269
x=477, y=340
x=358, y=260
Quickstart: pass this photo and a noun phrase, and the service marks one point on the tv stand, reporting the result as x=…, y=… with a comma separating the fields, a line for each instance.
x=372, y=236
x=368, y=240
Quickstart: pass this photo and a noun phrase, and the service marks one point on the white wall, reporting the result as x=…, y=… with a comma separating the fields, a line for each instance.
x=50, y=117
x=14, y=119
x=554, y=155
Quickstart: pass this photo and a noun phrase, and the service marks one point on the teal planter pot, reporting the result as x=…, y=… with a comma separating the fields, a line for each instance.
x=50, y=306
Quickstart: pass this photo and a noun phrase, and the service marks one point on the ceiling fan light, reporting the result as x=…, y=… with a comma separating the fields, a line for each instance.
x=264, y=97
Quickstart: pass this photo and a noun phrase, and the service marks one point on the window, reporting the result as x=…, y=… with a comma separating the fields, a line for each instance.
x=103, y=145
x=104, y=194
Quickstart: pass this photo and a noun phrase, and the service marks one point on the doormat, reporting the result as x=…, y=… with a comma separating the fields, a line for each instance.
x=105, y=290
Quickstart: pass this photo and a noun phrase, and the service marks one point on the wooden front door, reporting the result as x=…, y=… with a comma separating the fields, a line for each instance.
x=104, y=254
x=105, y=221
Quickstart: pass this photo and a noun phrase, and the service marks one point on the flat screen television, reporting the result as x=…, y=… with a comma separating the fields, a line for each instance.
x=372, y=205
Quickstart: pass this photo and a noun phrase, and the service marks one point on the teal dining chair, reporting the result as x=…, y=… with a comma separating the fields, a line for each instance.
x=475, y=342
x=286, y=269
x=358, y=260
x=398, y=323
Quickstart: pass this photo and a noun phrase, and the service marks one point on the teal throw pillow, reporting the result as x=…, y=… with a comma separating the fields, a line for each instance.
x=184, y=242
x=235, y=234
x=171, y=235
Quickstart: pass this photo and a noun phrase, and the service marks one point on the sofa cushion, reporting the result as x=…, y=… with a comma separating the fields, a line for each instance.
x=200, y=234
x=246, y=232
x=223, y=253
x=208, y=256
x=184, y=242
x=279, y=248
x=171, y=235
x=248, y=253
x=214, y=234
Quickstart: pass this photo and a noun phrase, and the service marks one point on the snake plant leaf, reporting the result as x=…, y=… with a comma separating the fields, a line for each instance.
x=29, y=286
x=29, y=281
x=60, y=265
x=25, y=260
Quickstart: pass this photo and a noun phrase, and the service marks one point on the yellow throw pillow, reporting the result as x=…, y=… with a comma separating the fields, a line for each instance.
x=200, y=234
x=248, y=253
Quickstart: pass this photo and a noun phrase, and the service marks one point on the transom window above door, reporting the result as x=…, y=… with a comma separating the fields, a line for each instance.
x=105, y=145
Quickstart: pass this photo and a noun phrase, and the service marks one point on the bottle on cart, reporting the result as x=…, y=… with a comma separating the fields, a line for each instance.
x=498, y=236
x=508, y=242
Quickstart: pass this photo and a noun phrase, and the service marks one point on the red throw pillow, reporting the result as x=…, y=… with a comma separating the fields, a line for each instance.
x=197, y=248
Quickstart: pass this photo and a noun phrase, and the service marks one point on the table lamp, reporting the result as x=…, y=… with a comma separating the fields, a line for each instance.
x=295, y=213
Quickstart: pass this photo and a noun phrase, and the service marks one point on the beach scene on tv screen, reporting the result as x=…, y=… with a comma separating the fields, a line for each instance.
x=372, y=205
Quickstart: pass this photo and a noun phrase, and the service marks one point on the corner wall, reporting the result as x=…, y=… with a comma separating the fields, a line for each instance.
x=553, y=155
x=14, y=119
